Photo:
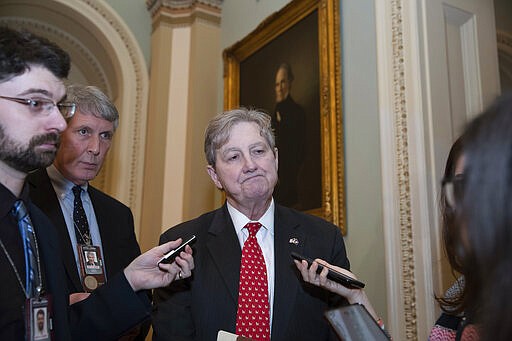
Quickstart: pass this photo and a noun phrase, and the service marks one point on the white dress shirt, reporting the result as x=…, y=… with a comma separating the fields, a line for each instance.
x=265, y=237
x=63, y=189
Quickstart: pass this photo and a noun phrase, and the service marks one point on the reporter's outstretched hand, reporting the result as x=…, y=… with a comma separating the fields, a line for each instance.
x=144, y=273
x=310, y=275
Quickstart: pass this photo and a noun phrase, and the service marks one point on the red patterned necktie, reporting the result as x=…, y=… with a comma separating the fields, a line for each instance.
x=253, y=315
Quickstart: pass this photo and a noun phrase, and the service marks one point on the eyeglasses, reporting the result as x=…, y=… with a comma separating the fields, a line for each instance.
x=44, y=106
x=454, y=190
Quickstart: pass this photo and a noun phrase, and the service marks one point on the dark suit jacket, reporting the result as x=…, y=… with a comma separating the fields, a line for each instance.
x=196, y=308
x=105, y=315
x=291, y=141
x=115, y=222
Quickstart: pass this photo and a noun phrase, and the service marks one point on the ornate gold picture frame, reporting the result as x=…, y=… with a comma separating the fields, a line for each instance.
x=304, y=37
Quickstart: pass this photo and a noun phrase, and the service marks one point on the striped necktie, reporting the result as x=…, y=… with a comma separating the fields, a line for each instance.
x=29, y=247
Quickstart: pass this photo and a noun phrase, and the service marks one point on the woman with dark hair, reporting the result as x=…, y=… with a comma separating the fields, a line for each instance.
x=477, y=229
x=452, y=316
x=483, y=237
x=452, y=320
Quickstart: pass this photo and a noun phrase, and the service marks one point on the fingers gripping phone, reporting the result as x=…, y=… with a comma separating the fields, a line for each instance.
x=171, y=255
x=333, y=275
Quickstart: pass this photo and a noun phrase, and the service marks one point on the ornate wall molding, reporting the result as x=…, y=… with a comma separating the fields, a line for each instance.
x=63, y=38
x=184, y=19
x=141, y=86
x=395, y=66
x=180, y=13
x=155, y=5
x=402, y=169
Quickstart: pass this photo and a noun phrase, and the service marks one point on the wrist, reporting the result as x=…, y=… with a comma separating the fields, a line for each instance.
x=129, y=278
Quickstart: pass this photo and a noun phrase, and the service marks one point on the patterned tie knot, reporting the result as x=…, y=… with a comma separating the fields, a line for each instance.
x=253, y=228
x=19, y=210
x=77, y=190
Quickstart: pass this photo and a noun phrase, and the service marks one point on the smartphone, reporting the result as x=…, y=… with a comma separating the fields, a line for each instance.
x=354, y=323
x=333, y=275
x=171, y=255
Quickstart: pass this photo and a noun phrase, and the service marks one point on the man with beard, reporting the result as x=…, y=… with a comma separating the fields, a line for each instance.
x=32, y=112
x=41, y=331
x=110, y=228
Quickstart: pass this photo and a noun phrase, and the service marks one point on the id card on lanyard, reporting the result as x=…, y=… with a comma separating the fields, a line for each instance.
x=38, y=318
x=91, y=267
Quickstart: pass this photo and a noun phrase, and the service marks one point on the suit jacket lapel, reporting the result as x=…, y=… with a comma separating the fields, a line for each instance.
x=225, y=250
x=43, y=195
x=103, y=217
x=288, y=237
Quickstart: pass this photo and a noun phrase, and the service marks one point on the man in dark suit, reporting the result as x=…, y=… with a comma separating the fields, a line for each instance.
x=242, y=162
x=32, y=115
x=82, y=151
x=289, y=122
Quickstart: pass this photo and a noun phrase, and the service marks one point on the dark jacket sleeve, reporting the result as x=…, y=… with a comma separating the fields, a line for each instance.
x=172, y=314
x=108, y=312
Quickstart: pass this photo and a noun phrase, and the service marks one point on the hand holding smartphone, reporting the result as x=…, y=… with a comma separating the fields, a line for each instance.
x=333, y=275
x=171, y=255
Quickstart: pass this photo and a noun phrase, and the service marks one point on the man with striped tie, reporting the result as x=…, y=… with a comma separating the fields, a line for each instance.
x=33, y=109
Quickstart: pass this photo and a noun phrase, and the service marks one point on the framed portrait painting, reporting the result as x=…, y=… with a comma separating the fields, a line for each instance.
x=289, y=66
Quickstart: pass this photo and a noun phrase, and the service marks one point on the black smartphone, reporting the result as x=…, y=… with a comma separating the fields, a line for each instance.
x=333, y=275
x=354, y=323
x=171, y=255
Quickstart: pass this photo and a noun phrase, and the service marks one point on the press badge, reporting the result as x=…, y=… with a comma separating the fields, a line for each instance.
x=91, y=267
x=38, y=318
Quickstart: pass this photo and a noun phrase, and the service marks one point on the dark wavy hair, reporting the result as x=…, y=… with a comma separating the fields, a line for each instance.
x=484, y=222
x=453, y=304
x=19, y=50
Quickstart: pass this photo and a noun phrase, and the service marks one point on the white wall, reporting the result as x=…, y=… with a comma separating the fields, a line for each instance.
x=138, y=19
x=365, y=242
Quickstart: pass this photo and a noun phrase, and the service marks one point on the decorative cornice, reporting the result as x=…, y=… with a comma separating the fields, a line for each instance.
x=154, y=6
x=402, y=171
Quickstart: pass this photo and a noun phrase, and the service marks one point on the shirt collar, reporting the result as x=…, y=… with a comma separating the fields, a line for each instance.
x=61, y=185
x=7, y=199
x=240, y=220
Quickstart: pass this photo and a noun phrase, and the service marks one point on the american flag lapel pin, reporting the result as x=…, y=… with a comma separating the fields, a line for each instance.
x=294, y=241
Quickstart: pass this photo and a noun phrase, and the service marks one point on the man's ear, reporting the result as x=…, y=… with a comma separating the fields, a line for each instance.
x=213, y=175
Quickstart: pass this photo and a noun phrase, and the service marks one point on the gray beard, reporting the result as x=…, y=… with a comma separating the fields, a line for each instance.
x=26, y=159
